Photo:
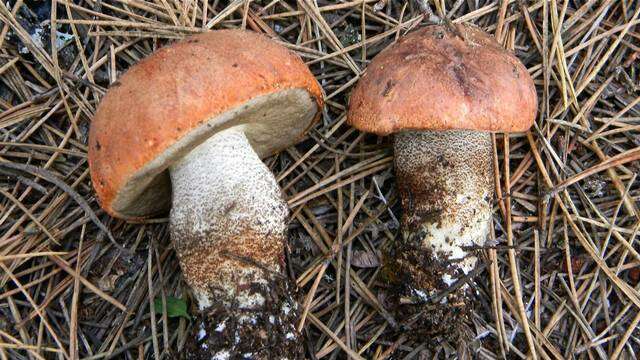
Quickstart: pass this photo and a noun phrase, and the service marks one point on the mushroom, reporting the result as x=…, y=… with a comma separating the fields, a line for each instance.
x=441, y=91
x=186, y=129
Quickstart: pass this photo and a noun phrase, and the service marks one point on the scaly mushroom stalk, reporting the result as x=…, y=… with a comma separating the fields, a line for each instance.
x=445, y=182
x=228, y=225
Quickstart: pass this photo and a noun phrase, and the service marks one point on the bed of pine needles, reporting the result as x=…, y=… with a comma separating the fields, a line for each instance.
x=560, y=274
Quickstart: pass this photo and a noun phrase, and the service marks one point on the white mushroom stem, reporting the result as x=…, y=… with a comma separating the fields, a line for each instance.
x=226, y=206
x=228, y=223
x=445, y=181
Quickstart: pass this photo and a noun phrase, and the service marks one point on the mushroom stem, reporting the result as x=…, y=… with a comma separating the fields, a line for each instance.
x=445, y=182
x=228, y=225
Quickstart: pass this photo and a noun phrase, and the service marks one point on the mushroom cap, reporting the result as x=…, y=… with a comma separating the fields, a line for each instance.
x=173, y=100
x=439, y=78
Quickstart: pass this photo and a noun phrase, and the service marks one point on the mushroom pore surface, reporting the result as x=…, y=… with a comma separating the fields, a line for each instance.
x=228, y=225
x=287, y=113
x=445, y=182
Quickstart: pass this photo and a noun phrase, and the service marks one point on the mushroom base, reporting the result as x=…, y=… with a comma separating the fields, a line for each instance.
x=445, y=182
x=225, y=332
x=228, y=226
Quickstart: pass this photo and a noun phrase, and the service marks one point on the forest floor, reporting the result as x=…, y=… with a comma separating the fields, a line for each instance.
x=560, y=273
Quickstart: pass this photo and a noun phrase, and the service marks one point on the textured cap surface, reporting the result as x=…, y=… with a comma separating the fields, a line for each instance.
x=438, y=78
x=182, y=94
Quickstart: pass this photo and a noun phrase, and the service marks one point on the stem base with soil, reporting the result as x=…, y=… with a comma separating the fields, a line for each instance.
x=445, y=182
x=228, y=225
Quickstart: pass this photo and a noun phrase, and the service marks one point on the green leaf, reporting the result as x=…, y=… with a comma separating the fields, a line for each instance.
x=175, y=307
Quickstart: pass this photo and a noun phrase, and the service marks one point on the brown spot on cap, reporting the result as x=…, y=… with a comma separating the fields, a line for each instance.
x=443, y=81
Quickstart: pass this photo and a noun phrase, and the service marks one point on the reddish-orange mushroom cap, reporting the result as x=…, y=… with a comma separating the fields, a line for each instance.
x=438, y=78
x=179, y=96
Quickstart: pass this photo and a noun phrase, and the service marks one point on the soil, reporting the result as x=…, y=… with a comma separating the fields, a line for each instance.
x=224, y=332
x=415, y=292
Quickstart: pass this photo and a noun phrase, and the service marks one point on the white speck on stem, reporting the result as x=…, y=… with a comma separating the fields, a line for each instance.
x=221, y=326
x=202, y=333
x=421, y=294
x=447, y=279
x=221, y=355
x=250, y=301
x=286, y=309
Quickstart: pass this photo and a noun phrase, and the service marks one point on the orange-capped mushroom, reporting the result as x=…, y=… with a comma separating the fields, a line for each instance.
x=440, y=91
x=186, y=129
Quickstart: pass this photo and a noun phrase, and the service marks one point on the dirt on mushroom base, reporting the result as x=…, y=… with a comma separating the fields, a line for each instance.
x=418, y=296
x=251, y=307
x=225, y=332
x=445, y=185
